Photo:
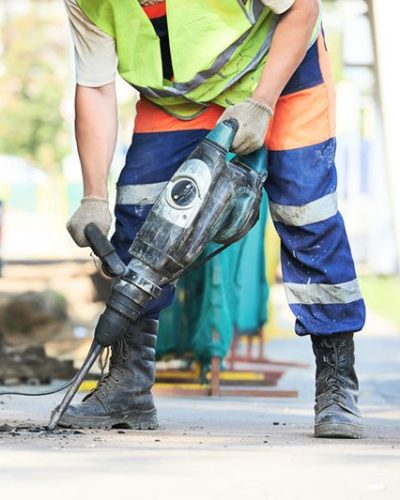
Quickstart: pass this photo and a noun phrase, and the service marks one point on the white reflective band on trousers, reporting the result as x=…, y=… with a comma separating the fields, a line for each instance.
x=320, y=293
x=139, y=194
x=301, y=215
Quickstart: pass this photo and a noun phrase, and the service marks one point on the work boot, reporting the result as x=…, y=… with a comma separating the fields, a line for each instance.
x=336, y=387
x=123, y=397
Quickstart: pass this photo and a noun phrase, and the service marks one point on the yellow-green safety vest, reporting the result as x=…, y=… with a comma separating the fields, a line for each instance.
x=218, y=49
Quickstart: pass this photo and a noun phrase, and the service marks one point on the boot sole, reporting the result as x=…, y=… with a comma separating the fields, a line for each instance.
x=346, y=431
x=135, y=419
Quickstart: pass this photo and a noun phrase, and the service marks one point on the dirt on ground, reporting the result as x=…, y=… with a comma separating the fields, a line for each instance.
x=206, y=448
x=236, y=448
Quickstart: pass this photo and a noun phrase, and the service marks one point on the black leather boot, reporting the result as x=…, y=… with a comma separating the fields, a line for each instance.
x=336, y=388
x=123, y=397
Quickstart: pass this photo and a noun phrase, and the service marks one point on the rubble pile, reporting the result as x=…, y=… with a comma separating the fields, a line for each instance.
x=27, y=321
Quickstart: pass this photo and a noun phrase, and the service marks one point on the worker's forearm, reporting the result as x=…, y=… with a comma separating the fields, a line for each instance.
x=96, y=127
x=288, y=48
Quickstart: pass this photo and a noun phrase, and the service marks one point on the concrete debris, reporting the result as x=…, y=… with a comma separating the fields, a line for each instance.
x=31, y=366
x=31, y=318
x=6, y=428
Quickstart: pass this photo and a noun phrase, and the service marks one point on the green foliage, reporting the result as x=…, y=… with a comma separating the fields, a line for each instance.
x=33, y=78
x=382, y=295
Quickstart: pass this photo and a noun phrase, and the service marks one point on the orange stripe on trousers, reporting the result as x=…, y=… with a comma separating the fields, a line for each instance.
x=305, y=117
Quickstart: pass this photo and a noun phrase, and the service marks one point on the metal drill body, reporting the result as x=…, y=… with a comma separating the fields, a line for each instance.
x=209, y=198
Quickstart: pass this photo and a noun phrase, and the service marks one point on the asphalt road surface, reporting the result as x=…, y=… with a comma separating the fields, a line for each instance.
x=243, y=448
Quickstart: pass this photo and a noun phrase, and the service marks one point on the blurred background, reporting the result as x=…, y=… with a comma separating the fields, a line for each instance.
x=40, y=182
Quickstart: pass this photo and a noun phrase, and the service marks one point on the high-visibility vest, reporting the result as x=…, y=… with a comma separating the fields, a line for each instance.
x=218, y=49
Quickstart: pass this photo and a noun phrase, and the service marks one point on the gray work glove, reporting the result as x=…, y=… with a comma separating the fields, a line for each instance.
x=253, y=118
x=92, y=209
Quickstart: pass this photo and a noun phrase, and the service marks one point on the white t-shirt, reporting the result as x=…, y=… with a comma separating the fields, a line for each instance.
x=96, y=58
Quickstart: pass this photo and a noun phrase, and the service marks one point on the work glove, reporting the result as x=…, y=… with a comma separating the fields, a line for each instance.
x=253, y=118
x=92, y=209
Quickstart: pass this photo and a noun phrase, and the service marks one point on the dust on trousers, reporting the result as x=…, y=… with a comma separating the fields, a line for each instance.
x=317, y=266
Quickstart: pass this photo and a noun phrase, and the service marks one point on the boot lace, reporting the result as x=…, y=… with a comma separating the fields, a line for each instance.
x=332, y=380
x=119, y=355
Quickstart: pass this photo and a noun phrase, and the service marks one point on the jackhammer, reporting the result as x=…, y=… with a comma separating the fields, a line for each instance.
x=211, y=197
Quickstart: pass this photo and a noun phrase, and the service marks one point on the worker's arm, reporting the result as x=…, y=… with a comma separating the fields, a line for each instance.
x=96, y=119
x=96, y=126
x=288, y=48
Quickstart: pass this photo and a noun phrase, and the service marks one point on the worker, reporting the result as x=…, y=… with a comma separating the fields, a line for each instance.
x=265, y=64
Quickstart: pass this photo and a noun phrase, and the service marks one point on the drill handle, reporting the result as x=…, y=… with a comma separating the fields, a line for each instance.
x=102, y=248
x=257, y=161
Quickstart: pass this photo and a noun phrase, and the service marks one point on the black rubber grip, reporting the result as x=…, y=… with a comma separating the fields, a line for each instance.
x=101, y=246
